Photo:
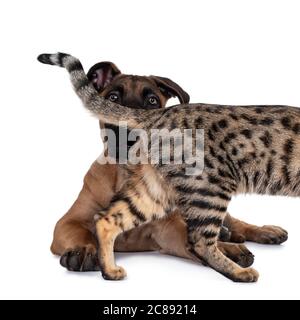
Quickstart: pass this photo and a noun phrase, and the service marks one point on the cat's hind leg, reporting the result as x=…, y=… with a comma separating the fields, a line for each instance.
x=204, y=213
x=204, y=228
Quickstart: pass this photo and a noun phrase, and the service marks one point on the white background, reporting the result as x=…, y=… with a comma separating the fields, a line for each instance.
x=228, y=52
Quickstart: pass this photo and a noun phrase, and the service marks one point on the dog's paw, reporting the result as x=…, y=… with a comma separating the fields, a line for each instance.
x=225, y=234
x=117, y=273
x=243, y=256
x=238, y=253
x=269, y=235
x=81, y=259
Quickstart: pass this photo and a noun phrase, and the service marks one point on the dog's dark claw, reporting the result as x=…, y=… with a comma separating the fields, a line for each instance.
x=63, y=260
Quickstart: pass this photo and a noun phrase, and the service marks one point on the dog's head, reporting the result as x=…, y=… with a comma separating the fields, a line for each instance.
x=134, y=91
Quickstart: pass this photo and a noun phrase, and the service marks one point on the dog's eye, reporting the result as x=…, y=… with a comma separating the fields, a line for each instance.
x=153, y=101
x=113, y=97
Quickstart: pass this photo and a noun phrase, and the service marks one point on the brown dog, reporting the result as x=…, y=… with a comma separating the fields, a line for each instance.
x=74, y=238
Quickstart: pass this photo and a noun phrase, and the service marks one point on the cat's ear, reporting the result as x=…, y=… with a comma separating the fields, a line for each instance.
x=102, y=73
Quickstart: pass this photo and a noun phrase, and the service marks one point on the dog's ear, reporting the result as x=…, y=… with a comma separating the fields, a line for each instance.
x=102, y=73
x=171, y=89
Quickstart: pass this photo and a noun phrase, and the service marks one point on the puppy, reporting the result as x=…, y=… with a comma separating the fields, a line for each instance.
x=74, y=235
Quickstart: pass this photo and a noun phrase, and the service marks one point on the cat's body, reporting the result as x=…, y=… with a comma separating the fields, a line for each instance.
x=246, y=149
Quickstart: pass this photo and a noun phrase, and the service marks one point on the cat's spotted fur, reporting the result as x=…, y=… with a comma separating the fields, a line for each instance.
x=247, y=149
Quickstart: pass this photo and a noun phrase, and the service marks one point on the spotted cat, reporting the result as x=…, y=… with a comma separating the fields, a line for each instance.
x=247, y=149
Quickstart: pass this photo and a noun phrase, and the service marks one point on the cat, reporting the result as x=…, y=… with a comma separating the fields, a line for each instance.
x=247, y=149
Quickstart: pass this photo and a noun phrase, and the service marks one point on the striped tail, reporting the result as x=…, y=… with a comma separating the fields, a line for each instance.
x=105, y=110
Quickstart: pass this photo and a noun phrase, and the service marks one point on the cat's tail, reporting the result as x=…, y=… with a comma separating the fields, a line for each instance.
x=105, y=110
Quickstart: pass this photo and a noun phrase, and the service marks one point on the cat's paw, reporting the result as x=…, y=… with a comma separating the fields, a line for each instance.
x=245, y=275
x=117, y=273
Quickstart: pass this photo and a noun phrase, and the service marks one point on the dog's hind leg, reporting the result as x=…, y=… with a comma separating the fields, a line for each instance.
x=241, y=231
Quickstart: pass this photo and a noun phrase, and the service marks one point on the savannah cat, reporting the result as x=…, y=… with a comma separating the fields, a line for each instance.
x=252, y=149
